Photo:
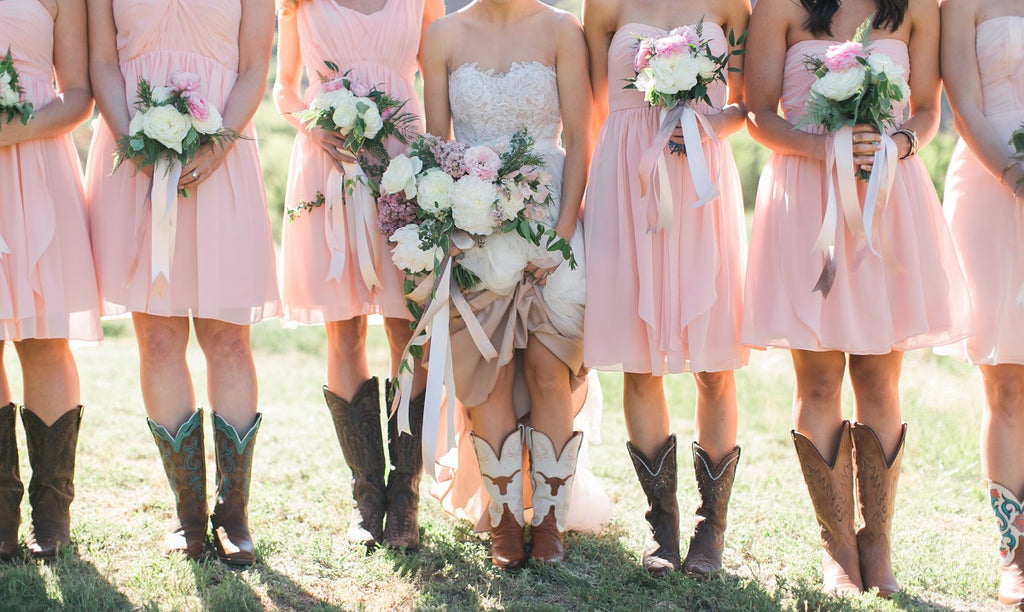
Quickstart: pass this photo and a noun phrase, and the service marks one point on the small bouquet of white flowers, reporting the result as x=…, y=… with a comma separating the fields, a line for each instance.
x=12, y=103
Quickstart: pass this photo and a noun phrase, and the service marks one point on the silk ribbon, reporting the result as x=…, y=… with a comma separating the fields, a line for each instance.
x=163, y=217
x=350, y=217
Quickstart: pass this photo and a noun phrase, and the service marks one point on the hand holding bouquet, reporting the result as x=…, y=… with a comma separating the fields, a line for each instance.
x=12, y=103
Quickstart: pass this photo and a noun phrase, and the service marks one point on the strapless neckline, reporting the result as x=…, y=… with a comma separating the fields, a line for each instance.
x=495, y=73
x=623, y=27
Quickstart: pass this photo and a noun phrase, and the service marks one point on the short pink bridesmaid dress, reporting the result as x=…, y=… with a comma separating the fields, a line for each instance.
x=668, y=301
x=986, y=220
x=223, y=264
x=918, y=300
x=47, y=281
x=379, y=49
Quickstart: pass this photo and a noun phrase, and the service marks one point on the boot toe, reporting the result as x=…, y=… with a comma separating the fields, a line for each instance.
x=701, y=567
x=234, y=549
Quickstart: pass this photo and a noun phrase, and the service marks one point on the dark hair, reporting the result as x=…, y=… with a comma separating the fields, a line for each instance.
x=889, y=15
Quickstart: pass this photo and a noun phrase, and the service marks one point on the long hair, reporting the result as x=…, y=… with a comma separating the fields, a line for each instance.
x=820, y=12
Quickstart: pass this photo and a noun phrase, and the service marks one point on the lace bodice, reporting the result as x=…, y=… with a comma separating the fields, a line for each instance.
x=488, y=107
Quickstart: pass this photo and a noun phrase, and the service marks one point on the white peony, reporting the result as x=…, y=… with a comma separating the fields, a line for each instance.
x=326, y=100
x=213, y=122
x=883, y=64
x=372, y=119
x=8, y=96
x=407, y=253
x=345, y=115
x=706, y=67
x=435, y=191
x=473, y=209
x=841, y=85
x=161, y=94
x=674, y=73
x=167, y=125
x=499, y=261
x=136, y=124
x=401, y=175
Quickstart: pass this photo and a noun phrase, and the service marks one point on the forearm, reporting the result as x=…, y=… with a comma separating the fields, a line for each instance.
x=108, y=88
x=729, y=121
x=245, y=98
x=288, y=102
x=574, y=181
x=63, y=114
x=774, y=132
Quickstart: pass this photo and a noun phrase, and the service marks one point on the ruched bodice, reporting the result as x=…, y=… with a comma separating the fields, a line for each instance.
x=622, y=50
x=207, y=29
x=488, y=107
x=1000, y=46
x=27, y=28
x=797, y=79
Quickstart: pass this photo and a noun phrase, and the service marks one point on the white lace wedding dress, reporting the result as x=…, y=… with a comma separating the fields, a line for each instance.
x=487, y=108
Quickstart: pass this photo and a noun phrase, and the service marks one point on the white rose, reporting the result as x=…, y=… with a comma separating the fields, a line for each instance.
x=5, y=78
x=434, y=191
x=883, y=64
x=161, y=94
x=345, y=114
x=841, y=85
x=706, y=67
x=213, y=122
x=8, y=96
x=136, y=124
x=674, y=73
x=473, y=209
x=401, y=175
x=644, y=80
x=165, y=124
x=512, y=204
x=407, y=253
x=372, y=119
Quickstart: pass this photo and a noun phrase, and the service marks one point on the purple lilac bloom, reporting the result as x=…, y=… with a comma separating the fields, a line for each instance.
x=393, y=212
x=450, y=156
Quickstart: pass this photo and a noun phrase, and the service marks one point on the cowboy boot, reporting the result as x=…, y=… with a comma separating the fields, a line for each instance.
x=51, y=453
x=1009, y=512
x=502, y=477
x=714, y=483
x=184, y=459
x=551, y=474
x=357, y=424
x=830, y=484
x=230, y=518
x=401, y=529
x=11, y=489
x=876, y=478
x=658, y=481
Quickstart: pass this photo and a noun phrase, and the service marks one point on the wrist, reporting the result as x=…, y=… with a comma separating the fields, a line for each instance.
x=912, y=143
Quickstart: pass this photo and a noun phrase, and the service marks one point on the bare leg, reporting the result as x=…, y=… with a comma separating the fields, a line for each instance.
x=876, y=381
x=399, y=333
x=166, y=385
x=643, y=402
x=495, y=419
x=716, y=413
x=50, y=378
x=547, y=378
x=1002, y=426
x=230, y=371
x=817, y=406
x=346, y=356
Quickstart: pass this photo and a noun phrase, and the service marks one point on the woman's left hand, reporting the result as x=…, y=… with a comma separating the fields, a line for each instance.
x=540, y=275
x=208, y=158
x=866, y=140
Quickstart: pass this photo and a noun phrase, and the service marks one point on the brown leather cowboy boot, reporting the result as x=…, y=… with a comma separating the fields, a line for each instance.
x=401, y=527
x=877, y=477
x=1009, y=512
x=502, y=477
x=714, y=483
x=551, y=474
x=230, y=518
x=830, y=484
x=184, y=459
x=357, y=424
x=51, y=453
x=658, y=479
x=11, y=489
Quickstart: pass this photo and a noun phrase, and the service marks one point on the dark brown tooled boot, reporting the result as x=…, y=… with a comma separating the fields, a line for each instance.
x=184, y=460
x=401, y=527
x=658, y=479
x=502, y=477
x=51, y=453
x=551, y=474
x=11, y=489
x=357, y=424
x=877, y=477
x=1009, y=510
x=830, y=484
x=230, y=518
x=714, y=484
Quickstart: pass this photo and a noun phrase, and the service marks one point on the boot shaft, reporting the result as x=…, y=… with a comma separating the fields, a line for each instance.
x=51, y=453
x=502, y=475
x=830, y=485
x=877, y=477
x=357, y=424
x=714, y=485
x=659, y=479
x=183, y=456
x=551, y=475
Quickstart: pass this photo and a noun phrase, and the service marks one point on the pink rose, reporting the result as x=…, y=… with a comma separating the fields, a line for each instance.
x=672, y=45
x=196, y=105
x=360, y=89
x=184, y=81
x=530, y=173
x=844, y=56
x=334, y=84
x=482, y=162
x=687, y=33
x=643, y=54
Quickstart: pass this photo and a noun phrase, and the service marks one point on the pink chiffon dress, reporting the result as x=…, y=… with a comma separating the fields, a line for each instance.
x=223, y=260
x=378, y=49
x=918, y=298
x=668, y=301
x=47, y=281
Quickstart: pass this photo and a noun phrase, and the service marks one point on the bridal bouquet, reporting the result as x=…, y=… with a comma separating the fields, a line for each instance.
x=171, y=123
x=854, y=85
x=485, y=202
x=12, y=103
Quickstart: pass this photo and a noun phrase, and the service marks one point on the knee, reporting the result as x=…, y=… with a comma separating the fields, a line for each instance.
x=1004, y=391
x=547, y=377
x=228, y=345
x=43, y=352
x=161, y=345
x=346, y=337
x=822, y=385
x=873, y=384
x=641, y=385
x=714, y=385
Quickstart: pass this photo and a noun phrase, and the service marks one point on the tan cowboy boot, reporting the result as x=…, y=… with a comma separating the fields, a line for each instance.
x=876, y=477
x=502, y=476
x=551, y=475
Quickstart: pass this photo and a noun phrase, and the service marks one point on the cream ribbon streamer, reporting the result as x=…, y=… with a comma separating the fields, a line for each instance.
x=163, y=220
x=443, y=293
x=350, y=215
x=659, y=205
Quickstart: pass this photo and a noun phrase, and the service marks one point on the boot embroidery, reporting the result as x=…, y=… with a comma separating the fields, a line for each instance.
x=1009, y=519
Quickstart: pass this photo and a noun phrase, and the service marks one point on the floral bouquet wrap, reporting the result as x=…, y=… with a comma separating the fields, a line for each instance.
x=170, y=124
x=12, y=97
x=365, y=118
x=854, y=84
x=674, y=72
x=447, y=196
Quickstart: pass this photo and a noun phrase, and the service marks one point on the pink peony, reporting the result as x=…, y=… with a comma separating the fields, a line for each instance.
x=184, y=81
x=196, y=105
x=672, y=45
x=687, y=33
x=482, y=162
x=360, y=89
x=334, y=84
x=844, y=56
x=644, y=51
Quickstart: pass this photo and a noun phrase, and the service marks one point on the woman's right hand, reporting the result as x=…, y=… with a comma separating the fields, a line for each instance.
x=866, y=140
x=333, y=145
